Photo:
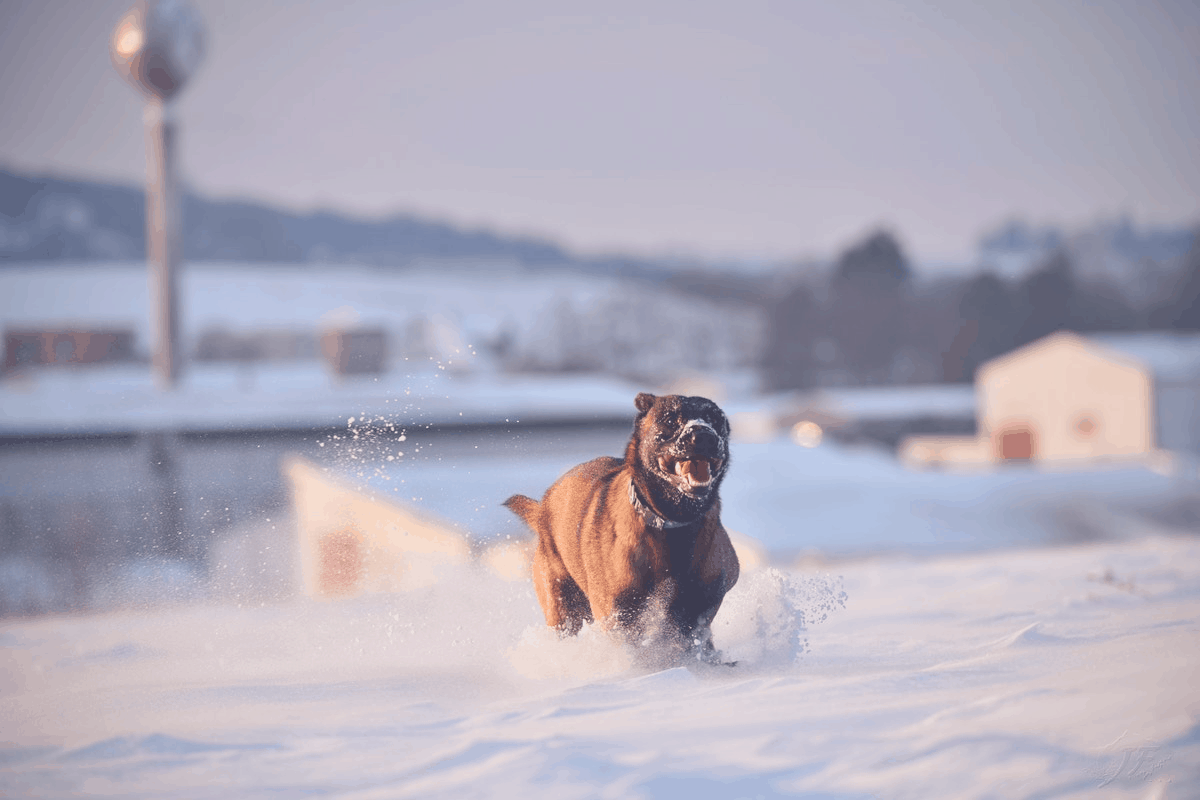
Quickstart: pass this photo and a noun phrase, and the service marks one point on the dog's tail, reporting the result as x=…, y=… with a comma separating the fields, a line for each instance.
x=524, y=507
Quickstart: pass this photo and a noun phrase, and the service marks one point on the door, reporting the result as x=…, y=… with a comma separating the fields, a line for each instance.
x=1016, y=443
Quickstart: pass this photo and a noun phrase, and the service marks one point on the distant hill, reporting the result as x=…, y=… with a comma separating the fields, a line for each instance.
x=47, y=218
x=44, y=218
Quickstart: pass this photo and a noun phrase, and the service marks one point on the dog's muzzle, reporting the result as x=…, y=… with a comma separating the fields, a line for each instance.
x=696, y=458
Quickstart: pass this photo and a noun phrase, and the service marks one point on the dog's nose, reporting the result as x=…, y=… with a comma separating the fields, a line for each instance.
x=703, y=439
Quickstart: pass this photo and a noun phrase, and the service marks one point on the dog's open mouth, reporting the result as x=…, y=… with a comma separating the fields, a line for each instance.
x=692, y=472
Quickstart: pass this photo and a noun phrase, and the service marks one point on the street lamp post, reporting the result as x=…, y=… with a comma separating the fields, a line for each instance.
x=156, y=47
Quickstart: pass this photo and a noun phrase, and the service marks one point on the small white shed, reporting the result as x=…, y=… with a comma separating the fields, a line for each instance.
x=1069, y=396
x=1064, y=397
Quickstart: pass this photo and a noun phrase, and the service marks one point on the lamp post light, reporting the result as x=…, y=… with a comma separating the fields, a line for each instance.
x=156, y=46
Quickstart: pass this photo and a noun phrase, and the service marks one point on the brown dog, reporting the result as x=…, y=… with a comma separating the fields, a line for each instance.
x=618, y=540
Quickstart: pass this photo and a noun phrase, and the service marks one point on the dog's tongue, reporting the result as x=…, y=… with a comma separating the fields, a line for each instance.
x=697, y=470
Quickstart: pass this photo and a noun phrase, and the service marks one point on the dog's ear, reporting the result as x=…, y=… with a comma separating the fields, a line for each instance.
x=644, y=402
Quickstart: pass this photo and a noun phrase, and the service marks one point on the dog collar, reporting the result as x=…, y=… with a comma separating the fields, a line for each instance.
x=653, y=519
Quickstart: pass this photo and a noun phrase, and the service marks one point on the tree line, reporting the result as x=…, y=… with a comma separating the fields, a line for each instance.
x=869, y=322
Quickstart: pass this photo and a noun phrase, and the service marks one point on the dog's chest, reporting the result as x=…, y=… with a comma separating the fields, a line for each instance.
x=666, y=555
x=680, y=546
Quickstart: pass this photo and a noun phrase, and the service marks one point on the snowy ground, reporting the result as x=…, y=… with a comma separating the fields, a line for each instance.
x=1016, y=633
x=1067, y=672
x=829, y=501
x=465, y=317
x=124, y=399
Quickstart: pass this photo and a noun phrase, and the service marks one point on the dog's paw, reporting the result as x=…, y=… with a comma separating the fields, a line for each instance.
x=717, y=660
x=711, y=667
x=704, y=652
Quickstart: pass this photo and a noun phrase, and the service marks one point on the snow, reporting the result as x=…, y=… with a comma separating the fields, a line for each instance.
x=440, y=325
x=913, y=636
x=124, y=399
x=926, y=643
x=831, y=501
x=466, y=315
x=857, y=501
x=297, y=394
x=257, y=296
x=893, y=402
x=1042, y=673
x=1012, y=633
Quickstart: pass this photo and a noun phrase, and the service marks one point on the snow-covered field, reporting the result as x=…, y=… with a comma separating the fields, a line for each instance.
x=830, y=501
x=1066, y=672
x=1007, y=634
x=123, y=399
x=470, y=317
x=1015, y=633
x=443, y=328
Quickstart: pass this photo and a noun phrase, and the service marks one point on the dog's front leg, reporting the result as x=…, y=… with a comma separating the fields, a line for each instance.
x=619, y=613
x=563, y=604
x=699, y=637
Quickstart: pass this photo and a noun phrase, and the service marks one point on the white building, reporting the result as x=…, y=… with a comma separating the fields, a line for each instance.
x=1067, y=396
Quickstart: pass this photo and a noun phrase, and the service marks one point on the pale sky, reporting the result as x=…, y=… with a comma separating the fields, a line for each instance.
x=751, y=129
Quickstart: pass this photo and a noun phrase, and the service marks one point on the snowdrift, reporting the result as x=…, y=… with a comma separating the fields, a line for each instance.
x=1064, y=672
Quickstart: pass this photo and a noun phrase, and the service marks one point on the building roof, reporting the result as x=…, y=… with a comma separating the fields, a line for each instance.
x=1168, y=357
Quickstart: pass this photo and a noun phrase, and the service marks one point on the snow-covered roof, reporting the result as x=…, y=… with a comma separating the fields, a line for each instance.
x=1169, y=357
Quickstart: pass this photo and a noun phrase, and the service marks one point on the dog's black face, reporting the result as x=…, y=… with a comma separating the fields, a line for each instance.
x=680, y=449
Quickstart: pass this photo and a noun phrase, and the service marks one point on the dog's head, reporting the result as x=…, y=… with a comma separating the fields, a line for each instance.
x=680, y=453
